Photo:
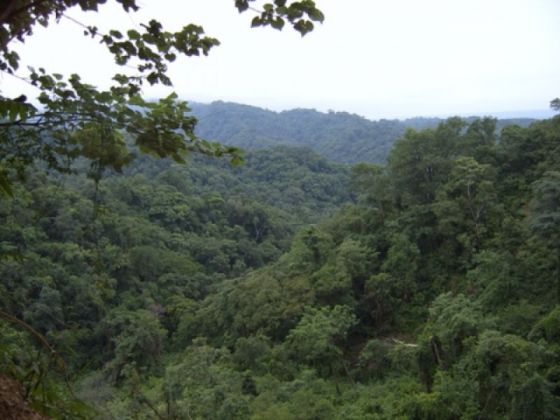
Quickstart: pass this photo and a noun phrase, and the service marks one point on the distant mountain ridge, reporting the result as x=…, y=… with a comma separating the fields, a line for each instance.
x=339, y=136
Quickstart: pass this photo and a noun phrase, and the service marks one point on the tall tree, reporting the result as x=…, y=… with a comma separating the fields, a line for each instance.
x=545, y=215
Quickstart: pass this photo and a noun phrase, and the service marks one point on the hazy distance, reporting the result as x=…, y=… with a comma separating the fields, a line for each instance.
x=378, y=59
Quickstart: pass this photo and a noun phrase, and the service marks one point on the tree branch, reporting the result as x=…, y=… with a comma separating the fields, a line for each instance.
x=9, y=13
x=29, y=328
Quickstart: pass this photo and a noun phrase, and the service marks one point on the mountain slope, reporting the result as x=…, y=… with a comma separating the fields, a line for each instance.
x=338, y=136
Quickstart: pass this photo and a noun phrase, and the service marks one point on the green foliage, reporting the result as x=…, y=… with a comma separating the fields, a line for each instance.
x=305, y=397
x=546, y=202
x=76, y=119
x=252, y=352
x=548, y=327
x=202, y=291
x=154, y=47
x=492, y=279
x=137, y=338
x=59, y=132
x=39, y=370
x=454, y=320
x=545, y=217
x=374, y=361
x=301, y=14
x=317, y=338
x=468, y=203
x=339, y=136
x=503, y=365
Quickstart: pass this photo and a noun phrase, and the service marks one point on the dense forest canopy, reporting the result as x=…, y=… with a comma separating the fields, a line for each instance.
x=421, y=283
x=339, y=136
x=290, y=287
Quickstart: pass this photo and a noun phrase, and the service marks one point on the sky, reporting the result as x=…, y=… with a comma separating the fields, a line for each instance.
x=375, y=58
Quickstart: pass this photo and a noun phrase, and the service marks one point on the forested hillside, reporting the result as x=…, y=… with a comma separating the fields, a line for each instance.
x=210, y=291
x=159, y=262
x=297, y=181
x=339, y=136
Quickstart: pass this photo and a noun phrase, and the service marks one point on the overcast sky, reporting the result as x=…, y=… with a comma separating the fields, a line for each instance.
x=376, y=58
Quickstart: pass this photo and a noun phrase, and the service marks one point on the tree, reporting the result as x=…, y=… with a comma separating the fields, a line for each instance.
x=467, y=202
x=421, y=160
x=391, y=291
x=318, y=336
x=545, y=216
x=373, y=187
x=77, y=120
x=137, y=338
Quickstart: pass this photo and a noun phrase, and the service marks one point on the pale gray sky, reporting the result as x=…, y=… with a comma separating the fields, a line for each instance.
x=376, y=58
